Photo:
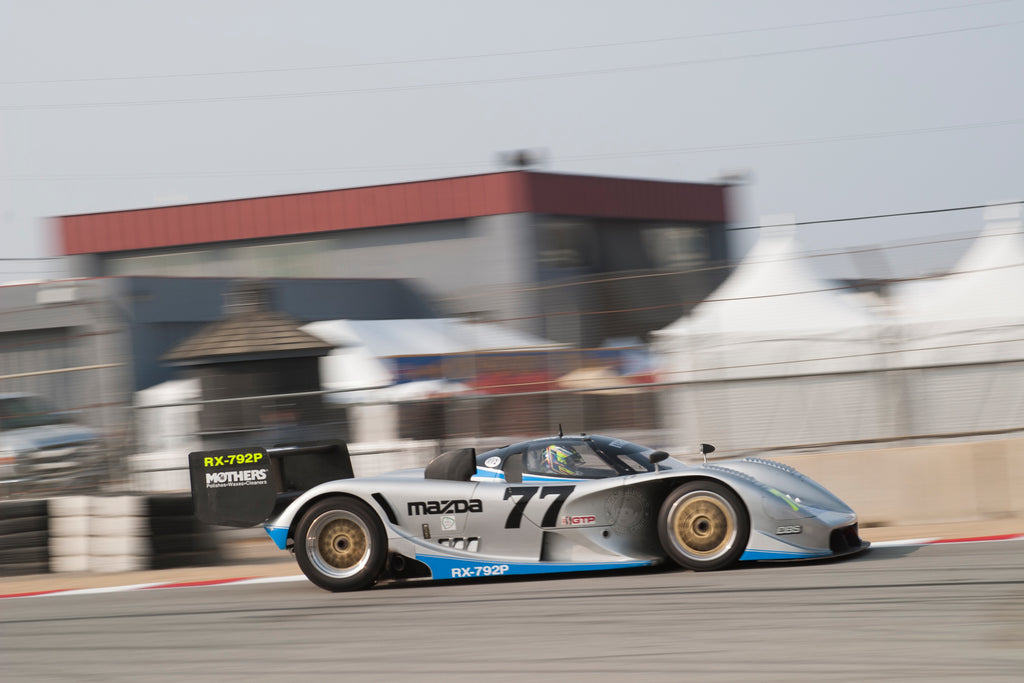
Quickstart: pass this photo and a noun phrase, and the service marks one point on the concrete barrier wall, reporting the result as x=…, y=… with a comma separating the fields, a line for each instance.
x=924, y=484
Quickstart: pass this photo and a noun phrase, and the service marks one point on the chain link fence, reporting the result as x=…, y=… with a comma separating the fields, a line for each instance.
x=597, y=376
x=66, y=423
x=867, y=409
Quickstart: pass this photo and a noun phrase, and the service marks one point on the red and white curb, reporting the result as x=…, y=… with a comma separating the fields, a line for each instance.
x=933, y=541
x=155, y=586
x=244, y=581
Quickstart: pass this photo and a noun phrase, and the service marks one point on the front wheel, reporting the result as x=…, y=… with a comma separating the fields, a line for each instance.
x=703, y=525
x=340, y=544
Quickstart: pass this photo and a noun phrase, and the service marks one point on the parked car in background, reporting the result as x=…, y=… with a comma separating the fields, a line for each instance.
x=45, y=450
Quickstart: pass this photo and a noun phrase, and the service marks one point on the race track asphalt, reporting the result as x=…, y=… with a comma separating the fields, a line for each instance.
x=951, y=612
x=250, y=554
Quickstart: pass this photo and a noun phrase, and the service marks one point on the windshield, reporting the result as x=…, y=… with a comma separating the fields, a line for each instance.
x=634, y=458
x=19, y=412
x=566, y=458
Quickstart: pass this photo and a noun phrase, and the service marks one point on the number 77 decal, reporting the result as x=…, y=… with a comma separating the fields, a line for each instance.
x=525, y=493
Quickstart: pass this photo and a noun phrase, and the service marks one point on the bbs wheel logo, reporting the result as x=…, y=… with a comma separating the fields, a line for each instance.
x=791, y=529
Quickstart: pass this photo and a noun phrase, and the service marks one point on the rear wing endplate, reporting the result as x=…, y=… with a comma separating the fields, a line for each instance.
x=243, y=487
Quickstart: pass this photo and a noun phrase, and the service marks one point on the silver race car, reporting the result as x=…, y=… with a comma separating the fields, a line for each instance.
x=558, y=504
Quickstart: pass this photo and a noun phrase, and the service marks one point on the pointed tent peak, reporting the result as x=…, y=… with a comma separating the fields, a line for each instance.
x=778, y=224
x=1002, y=212
x=774, y=290
x=998, y=245
x=773, y=267
x=775, y=264
x=776, y=238
x=986, y=283
x=1001, y=219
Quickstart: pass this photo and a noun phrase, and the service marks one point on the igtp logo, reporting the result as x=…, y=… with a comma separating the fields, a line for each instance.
x=578, y=520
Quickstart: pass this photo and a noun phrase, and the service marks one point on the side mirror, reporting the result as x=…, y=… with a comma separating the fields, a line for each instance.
x=657, y=456
x=706, y=448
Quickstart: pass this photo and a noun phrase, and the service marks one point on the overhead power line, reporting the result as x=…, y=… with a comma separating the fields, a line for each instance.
x=501, y=79
x=606, y=278
x=878, y=215
x=442, y=166
x=792, y=143
x=510, y=53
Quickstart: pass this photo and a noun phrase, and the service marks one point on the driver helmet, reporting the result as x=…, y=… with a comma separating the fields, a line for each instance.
x=562, y=460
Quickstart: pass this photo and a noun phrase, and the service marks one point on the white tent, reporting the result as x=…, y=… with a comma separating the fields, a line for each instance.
x=773, y=357
x=963, y=336
x=773, y=316
x=976, y=313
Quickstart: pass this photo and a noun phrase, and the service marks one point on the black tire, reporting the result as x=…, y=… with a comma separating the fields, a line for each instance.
x=24, y=508
x=24, y=568
x=340, y=544
x=26, y=539
x=32, y=554
x=19, y=525
x=703, y=526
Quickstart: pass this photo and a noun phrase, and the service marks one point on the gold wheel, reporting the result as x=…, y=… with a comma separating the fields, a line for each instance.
x=339, y=543
x=703, y=525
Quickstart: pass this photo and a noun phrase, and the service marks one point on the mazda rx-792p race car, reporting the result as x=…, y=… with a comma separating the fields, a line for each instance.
x=559, y=504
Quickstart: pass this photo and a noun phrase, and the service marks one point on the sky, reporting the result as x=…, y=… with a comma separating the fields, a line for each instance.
x=825, y=110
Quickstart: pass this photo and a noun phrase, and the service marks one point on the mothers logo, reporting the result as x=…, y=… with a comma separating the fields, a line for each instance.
x=236, y=478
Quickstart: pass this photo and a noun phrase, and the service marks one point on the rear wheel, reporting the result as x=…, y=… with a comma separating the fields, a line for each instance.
x=703, y=525
x=340, y=544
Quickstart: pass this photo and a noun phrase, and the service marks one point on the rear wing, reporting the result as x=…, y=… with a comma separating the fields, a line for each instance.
x=243, y=487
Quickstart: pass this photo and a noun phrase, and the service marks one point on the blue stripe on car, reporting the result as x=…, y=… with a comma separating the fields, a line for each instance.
x=794, y=552
x=541, y=477
x=279, y=535
x=450, y=567
x=782, y=554
x=485, y=474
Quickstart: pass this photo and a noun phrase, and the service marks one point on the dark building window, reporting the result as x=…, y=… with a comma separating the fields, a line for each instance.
x=565, y=243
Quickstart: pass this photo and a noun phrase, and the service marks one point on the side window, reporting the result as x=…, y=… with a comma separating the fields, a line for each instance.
x=514, y=468
x=534, y=461
x=633, y=462
x=578, y=461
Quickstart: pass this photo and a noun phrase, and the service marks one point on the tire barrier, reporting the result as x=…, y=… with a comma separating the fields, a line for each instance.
x=103, y=534
x=70, y=534
x=118, y=537
x=24, y=537
x=97, y=534
x=179, y=539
